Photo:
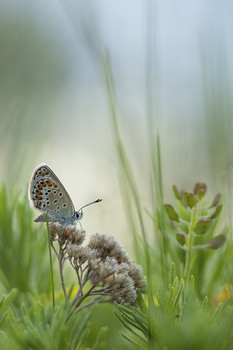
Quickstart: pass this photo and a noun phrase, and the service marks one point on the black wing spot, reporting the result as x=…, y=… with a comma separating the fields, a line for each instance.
x=60, y=194
x=54, y=192
x=58, y=208
x=64, y=205
x=55, y=201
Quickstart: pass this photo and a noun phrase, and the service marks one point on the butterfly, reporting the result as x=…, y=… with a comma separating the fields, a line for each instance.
x=47, y=194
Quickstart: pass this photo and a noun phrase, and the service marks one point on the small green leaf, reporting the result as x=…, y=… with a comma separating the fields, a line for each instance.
x=4, y=304
x=179, y=294
x=199, y=186
x=101, y=339
x=217, y=212
x=81, y=328
x=216, y=242
x=215, y=200
x=134, y=321
x=200, y=194
x=140, y=301
x=205, y=303
x=172, y=292
x=171, y=213
x=141, y=323
x=202, y=226
x=136, y=345
x=217, y=312
x=130, y=329
x=189, y=199
x=172, y=273
x=180, y=237
x=176, y=192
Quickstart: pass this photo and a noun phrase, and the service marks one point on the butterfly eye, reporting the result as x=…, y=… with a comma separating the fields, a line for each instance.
x=79, y=215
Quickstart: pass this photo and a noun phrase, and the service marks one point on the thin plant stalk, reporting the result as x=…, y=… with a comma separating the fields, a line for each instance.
x=190, y=244
x=61, y=263
x=50, y=260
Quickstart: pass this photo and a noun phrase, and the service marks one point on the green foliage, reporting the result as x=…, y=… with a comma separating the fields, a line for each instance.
x=136, y=322
x=188, y=299
x=4, y=304
x=202, y=226
x=171, y=213
x=23, y=256
x=43, y=327
x=180, y=311
x=196, y=233
x=180, y=321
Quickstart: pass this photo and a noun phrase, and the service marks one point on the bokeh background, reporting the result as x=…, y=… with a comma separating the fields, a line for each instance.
x=171, y=60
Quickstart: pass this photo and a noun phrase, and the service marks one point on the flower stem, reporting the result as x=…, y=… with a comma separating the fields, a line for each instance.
x=93, y=302
x=61, y=263
x=190, y=243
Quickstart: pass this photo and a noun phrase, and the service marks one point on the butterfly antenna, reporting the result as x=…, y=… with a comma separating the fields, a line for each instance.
x=97, y=201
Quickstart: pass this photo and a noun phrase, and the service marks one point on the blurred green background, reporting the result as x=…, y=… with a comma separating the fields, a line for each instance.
x=172, y=67
x=175, y=54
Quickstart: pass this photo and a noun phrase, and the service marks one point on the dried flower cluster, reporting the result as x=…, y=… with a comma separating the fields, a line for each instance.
x=103, y=267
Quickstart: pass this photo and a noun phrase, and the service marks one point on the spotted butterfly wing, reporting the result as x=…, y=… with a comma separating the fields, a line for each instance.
x=47, y=194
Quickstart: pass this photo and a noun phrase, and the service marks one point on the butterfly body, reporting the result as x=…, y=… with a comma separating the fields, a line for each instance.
x=47, y=194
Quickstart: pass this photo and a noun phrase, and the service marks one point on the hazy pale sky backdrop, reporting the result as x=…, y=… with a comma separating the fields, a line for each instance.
x=53, y=98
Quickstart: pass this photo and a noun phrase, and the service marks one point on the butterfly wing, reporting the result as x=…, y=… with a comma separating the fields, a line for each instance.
x=47, y=194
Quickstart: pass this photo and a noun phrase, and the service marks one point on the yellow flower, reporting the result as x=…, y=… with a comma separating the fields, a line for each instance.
x=224, y=294
x=155, y=301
